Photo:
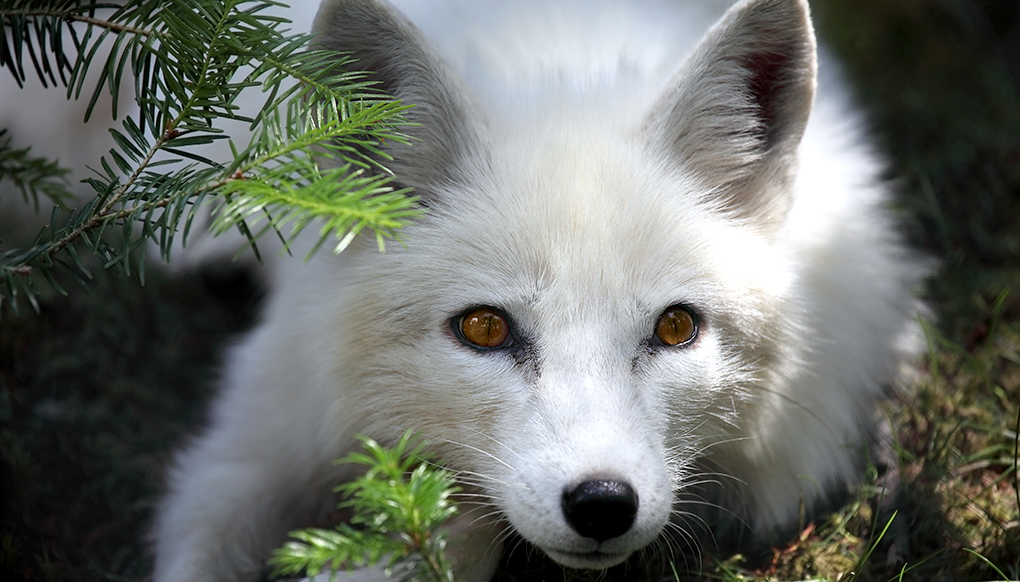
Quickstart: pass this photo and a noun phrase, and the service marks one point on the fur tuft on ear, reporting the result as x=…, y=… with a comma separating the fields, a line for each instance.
x=383, y=42
x=736, y=110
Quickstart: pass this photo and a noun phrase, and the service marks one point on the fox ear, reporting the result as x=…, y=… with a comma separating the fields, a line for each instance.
x=402, y=63
x=736, y=110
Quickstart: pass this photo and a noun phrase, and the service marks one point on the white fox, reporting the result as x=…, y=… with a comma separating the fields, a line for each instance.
x=647, y=283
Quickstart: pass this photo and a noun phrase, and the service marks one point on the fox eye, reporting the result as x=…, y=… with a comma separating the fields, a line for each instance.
x=484, y=327
x=676, y=326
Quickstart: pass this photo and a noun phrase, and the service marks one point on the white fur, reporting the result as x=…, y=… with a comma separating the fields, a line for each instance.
x=582, y=177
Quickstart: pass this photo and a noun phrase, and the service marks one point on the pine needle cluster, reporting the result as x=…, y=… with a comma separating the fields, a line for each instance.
x=187, y=62
x=398, y=506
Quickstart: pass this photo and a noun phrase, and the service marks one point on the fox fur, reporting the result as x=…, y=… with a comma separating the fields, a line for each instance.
x=586, y=167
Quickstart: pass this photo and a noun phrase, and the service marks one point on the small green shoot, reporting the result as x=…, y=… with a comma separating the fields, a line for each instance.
x=399, y=504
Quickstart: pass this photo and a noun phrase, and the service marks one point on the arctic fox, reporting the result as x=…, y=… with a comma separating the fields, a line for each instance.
x=650, y=290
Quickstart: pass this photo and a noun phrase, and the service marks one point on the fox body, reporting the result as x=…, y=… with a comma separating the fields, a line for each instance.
x=655, y=285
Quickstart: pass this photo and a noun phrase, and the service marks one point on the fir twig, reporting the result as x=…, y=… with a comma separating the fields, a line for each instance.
x=34, y=177
x=399, y=505
x=189, y=64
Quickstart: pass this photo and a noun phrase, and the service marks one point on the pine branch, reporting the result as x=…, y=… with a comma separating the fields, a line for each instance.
x=34, y=177
x=189, y=64
x=69, y=15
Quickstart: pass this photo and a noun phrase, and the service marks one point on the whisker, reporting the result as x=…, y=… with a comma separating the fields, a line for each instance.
x=479, y=450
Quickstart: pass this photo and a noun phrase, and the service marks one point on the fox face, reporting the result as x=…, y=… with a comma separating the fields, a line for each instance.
x=576, y=338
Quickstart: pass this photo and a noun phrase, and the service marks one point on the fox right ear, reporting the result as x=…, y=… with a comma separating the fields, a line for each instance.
x=738, y=106
x=383, y=42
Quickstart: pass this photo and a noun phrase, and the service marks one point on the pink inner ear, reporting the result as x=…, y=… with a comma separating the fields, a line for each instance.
x=769, y=77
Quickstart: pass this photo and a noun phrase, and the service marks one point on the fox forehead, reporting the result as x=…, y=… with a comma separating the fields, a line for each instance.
x=574, y=220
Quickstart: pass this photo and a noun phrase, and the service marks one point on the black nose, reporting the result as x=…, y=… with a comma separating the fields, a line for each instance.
x=601, y=510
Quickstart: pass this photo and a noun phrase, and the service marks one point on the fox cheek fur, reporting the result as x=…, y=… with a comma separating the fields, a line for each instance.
x=584, y=209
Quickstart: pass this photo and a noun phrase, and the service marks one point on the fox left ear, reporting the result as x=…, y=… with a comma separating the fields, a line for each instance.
x=446, y=126
x=736, y=110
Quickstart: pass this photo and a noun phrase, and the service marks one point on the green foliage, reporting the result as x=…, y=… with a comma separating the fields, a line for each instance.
x=189, y=61
x=32, y=176
x=398, y=506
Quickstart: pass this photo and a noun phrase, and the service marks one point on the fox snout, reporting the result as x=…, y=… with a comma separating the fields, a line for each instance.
x=590, y=497
x=600, y=509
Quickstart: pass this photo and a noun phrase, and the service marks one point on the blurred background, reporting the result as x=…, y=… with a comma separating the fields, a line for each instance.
x=98, y=388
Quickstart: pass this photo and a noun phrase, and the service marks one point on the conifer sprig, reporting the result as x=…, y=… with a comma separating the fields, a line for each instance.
x=190, y=60
x=32, y=176
x=399, y=505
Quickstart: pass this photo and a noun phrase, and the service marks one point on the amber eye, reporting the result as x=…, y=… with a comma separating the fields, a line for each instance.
x=676, y=326
x=485, y=327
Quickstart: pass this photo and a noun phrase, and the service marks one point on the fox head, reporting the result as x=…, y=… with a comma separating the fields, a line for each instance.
x=596, y=294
